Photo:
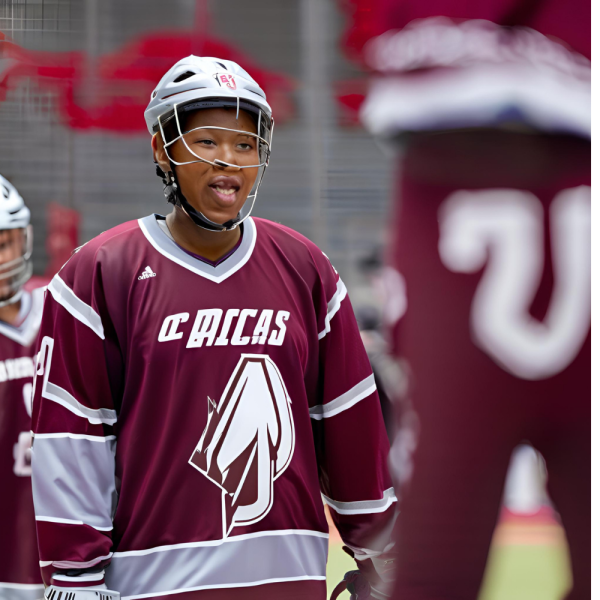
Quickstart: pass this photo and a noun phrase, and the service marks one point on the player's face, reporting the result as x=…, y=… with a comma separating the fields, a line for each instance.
x=12, y=243
x=217, y=192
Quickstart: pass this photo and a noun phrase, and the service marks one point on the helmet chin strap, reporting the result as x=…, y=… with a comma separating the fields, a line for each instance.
x=174, y=195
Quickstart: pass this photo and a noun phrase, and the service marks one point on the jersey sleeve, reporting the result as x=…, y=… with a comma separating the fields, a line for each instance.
x=350, y=436
x=74, y=414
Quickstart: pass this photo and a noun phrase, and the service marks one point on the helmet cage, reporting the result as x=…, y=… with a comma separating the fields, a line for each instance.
x=265, y=124
x=17, y=270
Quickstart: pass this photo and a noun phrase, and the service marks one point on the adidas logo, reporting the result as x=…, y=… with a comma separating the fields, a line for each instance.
x=147, y=273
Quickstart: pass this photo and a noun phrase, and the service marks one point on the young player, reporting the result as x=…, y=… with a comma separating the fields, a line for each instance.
x=202, y=382
x=20, y=317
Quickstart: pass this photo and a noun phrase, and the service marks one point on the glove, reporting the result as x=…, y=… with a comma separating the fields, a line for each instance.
x=372, y=581
x=356, y=584
x=54, y=592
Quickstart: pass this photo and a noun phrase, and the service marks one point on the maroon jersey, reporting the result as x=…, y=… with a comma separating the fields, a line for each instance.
x=369, y=18
x=191, y=419
x=492, y=237
x=20, y=576
x=493, y=240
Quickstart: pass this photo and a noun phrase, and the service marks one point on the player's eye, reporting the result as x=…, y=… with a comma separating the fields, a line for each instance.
x=205, y=142
x=246, y=142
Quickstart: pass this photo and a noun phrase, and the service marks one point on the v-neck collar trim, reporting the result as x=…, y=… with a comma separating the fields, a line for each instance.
x=26, y=332
x=167, y=247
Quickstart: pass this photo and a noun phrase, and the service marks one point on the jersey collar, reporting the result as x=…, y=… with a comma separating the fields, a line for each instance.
x=168, y=248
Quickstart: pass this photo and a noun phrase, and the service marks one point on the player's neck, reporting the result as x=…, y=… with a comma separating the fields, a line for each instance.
x=10, y=313
x=208, y=244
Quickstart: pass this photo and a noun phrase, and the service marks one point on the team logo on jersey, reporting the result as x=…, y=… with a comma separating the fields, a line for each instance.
x=226, y=80
x=147, y=273
x=248, y=441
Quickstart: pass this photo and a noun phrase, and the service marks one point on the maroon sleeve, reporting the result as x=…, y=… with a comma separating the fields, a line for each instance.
x=73, y=417
x=351, y=441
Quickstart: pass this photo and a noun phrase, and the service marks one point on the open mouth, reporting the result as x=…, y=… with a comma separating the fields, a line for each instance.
x=225, y=189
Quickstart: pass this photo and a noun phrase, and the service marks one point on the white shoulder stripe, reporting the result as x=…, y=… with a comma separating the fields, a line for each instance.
x=363, y=507
x=333, y=306
x=360, y=391
x=84, y=313
x=95, y=416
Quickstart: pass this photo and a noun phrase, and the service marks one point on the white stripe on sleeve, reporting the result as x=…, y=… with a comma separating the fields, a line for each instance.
x=73, y=481
x=21, y=591
x=363, y=507
x=333, y=306
x=360, y=391
x=61, y=521
x=84, y=313
x=72, y=564
x=87, y=577
x=75, y=436
x=95, y=416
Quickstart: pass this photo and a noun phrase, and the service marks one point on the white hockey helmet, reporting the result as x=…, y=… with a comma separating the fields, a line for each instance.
x=195, y=83
x=13, y=212
x=14, y=215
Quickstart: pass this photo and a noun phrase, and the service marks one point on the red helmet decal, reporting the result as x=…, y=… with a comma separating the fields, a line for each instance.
x=226, y=80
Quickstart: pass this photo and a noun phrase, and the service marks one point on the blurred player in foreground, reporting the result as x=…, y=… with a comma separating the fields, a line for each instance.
x=202, y=382
x=493, y=240
x=20, y=317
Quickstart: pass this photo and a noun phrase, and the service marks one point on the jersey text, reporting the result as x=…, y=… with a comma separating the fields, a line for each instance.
x=236, y=327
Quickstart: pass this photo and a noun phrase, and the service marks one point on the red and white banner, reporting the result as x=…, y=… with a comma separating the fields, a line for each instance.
x=124, y=79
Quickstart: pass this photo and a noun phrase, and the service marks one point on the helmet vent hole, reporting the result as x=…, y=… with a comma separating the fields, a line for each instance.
x=183, y=76
x=221, y=65
x=184, y=91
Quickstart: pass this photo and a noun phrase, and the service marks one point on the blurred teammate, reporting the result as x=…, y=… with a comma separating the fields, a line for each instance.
x=202, y=382
x=20, y=317
x=493, y=239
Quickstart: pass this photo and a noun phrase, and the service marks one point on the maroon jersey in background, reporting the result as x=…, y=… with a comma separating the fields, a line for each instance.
x=491, y=233
x=20, y=577
x=188, y=419
x=558, y=20
x=493, y=240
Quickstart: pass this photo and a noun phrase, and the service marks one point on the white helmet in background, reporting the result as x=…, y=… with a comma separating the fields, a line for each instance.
x=16, y=242
x=195, y=83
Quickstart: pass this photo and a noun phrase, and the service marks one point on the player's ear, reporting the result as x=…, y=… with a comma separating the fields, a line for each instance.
x=160, y=154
